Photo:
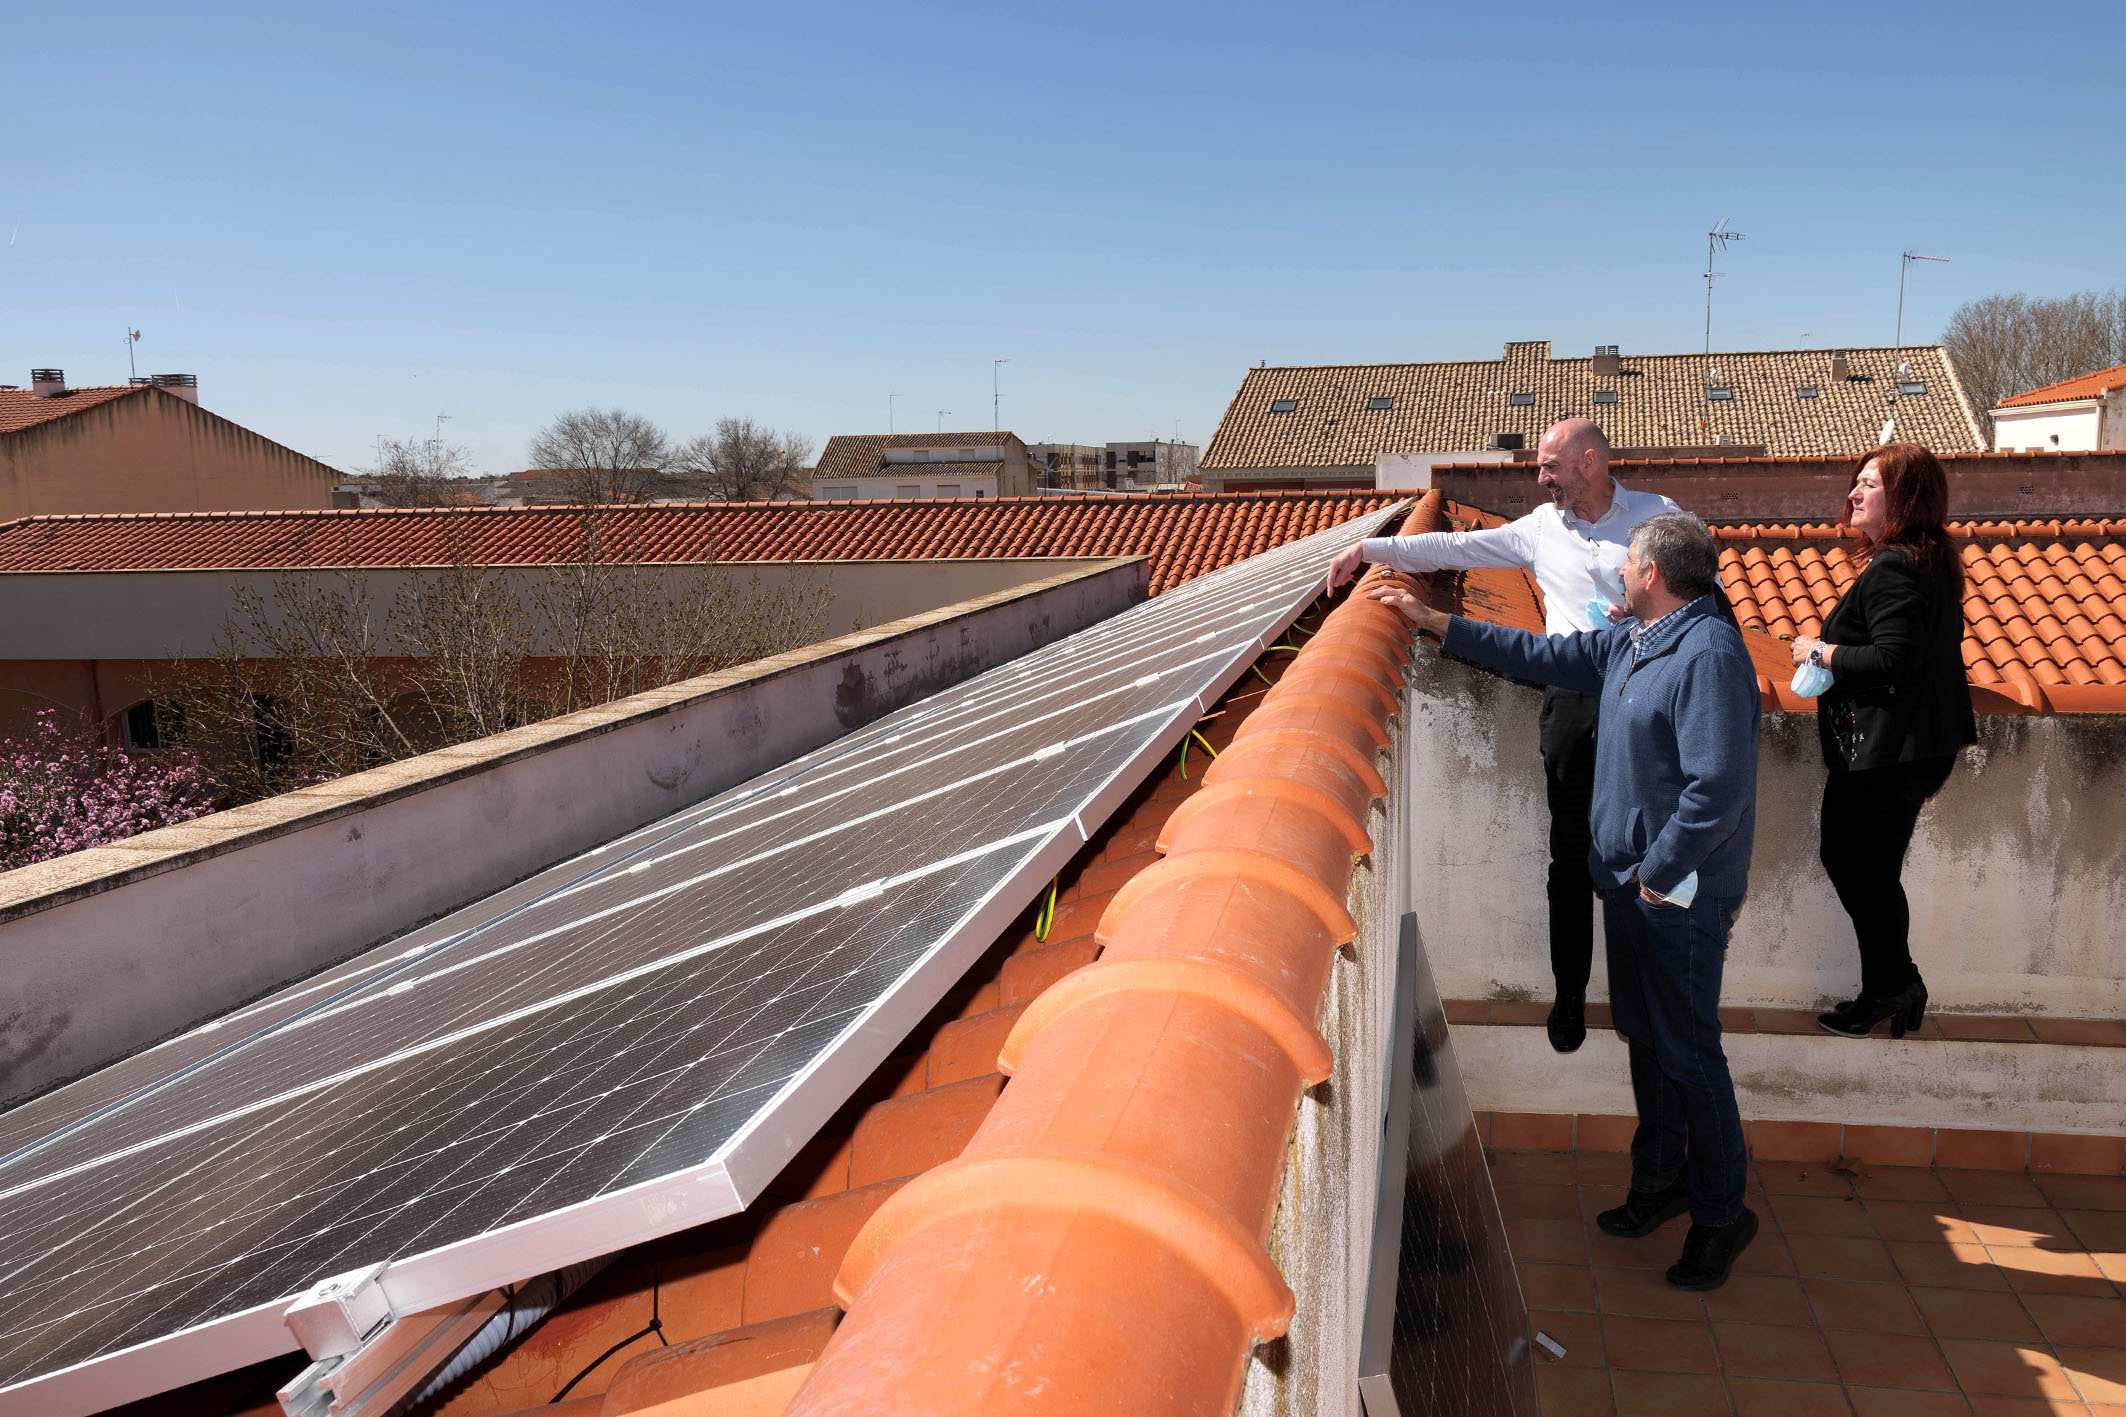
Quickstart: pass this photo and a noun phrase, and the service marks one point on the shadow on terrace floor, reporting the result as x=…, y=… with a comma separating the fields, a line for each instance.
x=1871, y=1292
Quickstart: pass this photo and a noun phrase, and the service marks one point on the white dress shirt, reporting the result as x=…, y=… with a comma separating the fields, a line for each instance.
x=1573, y=560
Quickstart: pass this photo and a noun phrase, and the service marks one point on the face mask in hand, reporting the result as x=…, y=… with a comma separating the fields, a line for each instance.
x=1598, y=612
x=1686, y=890
x=1810, y=680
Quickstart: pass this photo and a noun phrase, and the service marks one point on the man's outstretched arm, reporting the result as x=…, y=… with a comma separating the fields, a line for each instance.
x=1578, y=661
x=1511, y=545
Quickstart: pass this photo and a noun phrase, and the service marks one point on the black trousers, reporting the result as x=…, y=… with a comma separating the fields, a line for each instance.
x=1868, y=817
x=1566, y=734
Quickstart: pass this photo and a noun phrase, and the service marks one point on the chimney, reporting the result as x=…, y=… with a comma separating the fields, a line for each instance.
x=1841, y=367
x=184, y=386
x=1606, y=361
x=47, y=383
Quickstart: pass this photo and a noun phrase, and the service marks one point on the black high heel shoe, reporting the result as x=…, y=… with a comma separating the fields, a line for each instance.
x=1904, y=1009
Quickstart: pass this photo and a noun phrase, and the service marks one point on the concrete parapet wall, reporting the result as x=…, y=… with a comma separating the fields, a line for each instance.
x=109, y=950
x=2017, y=876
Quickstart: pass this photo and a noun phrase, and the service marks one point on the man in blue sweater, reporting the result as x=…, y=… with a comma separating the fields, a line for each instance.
x=1675, y=788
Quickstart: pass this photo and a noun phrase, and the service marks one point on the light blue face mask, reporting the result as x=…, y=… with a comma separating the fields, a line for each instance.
x=1686, y=890
x=1598, y=612
x=1810, y=680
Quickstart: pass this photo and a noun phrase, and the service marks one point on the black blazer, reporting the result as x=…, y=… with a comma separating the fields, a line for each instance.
x=1898, y=690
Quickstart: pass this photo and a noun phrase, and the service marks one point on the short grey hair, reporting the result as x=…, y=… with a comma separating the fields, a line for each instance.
x=1680, y=545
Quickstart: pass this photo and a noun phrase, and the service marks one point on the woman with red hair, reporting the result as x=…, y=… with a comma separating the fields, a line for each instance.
x=1892, y=722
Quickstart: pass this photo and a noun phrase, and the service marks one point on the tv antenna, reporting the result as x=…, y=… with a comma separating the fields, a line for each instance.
x=941, y=418
x=1715, y=244
x=889, y=412
x=1904, y=264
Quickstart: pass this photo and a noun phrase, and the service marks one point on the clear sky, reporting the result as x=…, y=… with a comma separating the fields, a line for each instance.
x=348, y=219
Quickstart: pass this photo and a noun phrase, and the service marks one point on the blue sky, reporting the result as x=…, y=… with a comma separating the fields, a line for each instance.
x=348, y=220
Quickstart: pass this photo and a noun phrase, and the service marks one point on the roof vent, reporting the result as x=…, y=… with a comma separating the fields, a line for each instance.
x=1506, y=442
x=47, y=383
x=1605, y=359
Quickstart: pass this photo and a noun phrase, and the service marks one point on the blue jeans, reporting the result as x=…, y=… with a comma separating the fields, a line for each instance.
x=1664, y=987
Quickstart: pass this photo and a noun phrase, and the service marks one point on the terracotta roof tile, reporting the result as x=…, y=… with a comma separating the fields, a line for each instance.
x=1456, y=406
x=1185, y=535
x=2082, y=386
x=20, y=408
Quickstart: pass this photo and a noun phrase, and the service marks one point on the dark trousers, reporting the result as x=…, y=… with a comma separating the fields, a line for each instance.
x=1566, y=734
x=1664, y=990
x=1868, y=817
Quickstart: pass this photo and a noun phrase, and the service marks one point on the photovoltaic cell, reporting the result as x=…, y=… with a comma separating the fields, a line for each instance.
x=627, y=1044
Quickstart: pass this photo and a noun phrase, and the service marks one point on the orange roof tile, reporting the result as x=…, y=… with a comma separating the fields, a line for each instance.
x=20, y=408
x=2082, y=386
x=2044, y=602
x=1184, y=535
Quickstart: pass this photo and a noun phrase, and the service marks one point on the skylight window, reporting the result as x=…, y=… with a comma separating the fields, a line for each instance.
x=1911, y=386
x=1605, y=396
x=1521, y=399
x=1718, y=393
x=1805, y=391
x=1381, y=402
x=1283, y=405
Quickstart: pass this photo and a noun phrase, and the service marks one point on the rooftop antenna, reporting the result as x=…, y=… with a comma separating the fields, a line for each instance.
x=1904, y=264
x=1715, y=243
x=889, y=412
x=941, y=418
x=132, y=337
x=996, y=418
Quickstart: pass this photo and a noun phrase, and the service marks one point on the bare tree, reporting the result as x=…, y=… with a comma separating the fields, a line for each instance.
x=602, y=455
x=745, y=461
x=418, y=472
x=312, y=683
x=2005, y=344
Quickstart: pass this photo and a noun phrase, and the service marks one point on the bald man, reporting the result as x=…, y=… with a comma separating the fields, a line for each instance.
x=1575, y=546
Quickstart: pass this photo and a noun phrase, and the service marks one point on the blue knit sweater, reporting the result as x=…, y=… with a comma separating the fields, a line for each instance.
x=1675, y=787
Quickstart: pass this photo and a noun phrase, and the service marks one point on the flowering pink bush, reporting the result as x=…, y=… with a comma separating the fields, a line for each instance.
x=63, y=788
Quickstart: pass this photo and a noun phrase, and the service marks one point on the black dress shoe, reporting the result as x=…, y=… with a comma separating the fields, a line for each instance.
x=1710, y=1251
x=1567, y=1024
x=1644, y=1212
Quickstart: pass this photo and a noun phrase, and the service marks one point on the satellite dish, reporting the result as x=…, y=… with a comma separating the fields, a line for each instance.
x=1904, y=369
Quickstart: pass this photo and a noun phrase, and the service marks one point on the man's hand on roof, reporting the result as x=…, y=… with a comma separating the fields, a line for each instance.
x=1346, y=565
x=1411, y=608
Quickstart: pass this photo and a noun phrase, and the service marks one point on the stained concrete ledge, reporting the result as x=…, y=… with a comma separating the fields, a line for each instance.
x=109, y=950
x=1911, y=1082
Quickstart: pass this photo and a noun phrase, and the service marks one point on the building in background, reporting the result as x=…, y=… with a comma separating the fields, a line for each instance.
x=146, y=446
x=2078, y=415
x=1332, y=425
x=1076, y=467
x=920, y=466
x=1116, y=467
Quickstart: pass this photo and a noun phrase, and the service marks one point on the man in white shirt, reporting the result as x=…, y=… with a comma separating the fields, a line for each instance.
x=1575, y=547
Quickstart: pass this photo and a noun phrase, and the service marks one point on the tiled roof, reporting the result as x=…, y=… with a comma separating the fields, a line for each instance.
x=2083, y=386
x=1661, y=402
x=859, y=454
x=20, y=408
x=2044, y=602
x=1184, y=535
x=2044, y=605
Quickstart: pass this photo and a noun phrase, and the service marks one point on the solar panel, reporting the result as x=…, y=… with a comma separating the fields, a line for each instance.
x=628, y=1044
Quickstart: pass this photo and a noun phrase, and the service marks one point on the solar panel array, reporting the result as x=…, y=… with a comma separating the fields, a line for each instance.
x=633, y=1015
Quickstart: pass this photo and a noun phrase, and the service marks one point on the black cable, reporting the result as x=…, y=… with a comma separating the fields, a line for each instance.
x=655, y=1325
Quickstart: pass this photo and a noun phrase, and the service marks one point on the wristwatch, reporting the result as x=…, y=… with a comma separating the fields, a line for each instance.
x=1816, y=655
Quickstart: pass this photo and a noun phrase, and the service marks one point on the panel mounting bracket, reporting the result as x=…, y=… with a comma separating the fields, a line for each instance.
x=366, y=1358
